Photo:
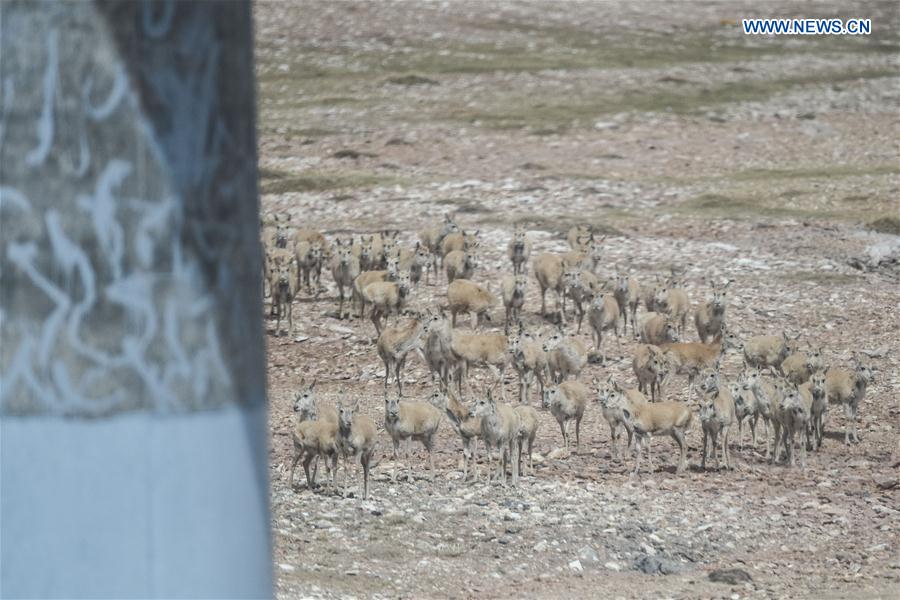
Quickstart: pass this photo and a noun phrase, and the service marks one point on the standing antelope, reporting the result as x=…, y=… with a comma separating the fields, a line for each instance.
x=344, y=269
x=356, y=440
x=394, y=344
x=500, y=426
x=519, y=250
x=847, y=388
x=411, y=421
x=432, y=239
x=710, y=316
x=716, y=415
x=628, y=296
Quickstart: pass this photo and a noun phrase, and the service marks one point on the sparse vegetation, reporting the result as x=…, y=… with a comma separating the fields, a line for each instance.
x=824, y=172
x=411, y=80
x=824, y=278
x=547, y=117
x=280, y=182
x=755, y=207
x=886, y=225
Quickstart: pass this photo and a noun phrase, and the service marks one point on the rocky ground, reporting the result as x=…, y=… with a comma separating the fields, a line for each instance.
x=770, y=161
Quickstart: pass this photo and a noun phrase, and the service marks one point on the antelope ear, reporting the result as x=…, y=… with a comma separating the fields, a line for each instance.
x=302, y=381
x=626, y=413
x=355, y=405
x=312, y=386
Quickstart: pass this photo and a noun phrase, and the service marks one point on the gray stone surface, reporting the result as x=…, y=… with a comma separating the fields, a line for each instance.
x=130, y=258
x=132, y=372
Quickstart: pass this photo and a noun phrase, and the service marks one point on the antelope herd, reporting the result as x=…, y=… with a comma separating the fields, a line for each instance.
x=789, y=388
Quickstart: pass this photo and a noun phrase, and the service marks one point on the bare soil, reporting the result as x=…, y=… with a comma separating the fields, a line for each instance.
x=770, y=161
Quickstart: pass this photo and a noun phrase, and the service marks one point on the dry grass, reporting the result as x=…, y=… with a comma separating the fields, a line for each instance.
x=282, y=182
x=825, y=278
x=551, y=116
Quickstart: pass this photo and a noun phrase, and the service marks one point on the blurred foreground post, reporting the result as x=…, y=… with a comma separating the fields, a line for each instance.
x=132, y=373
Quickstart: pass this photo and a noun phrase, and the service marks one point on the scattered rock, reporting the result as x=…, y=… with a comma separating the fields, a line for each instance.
x=340, y=329
x=887, y=483
x=655, y=565
x=558, y=453
x=889, y=225
x=730, y=576
x=830, y=509
x=411, y=80
x=575, y=565
x=348, y=153
x=588, y=555
x=878, y=255
x=878, y=352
